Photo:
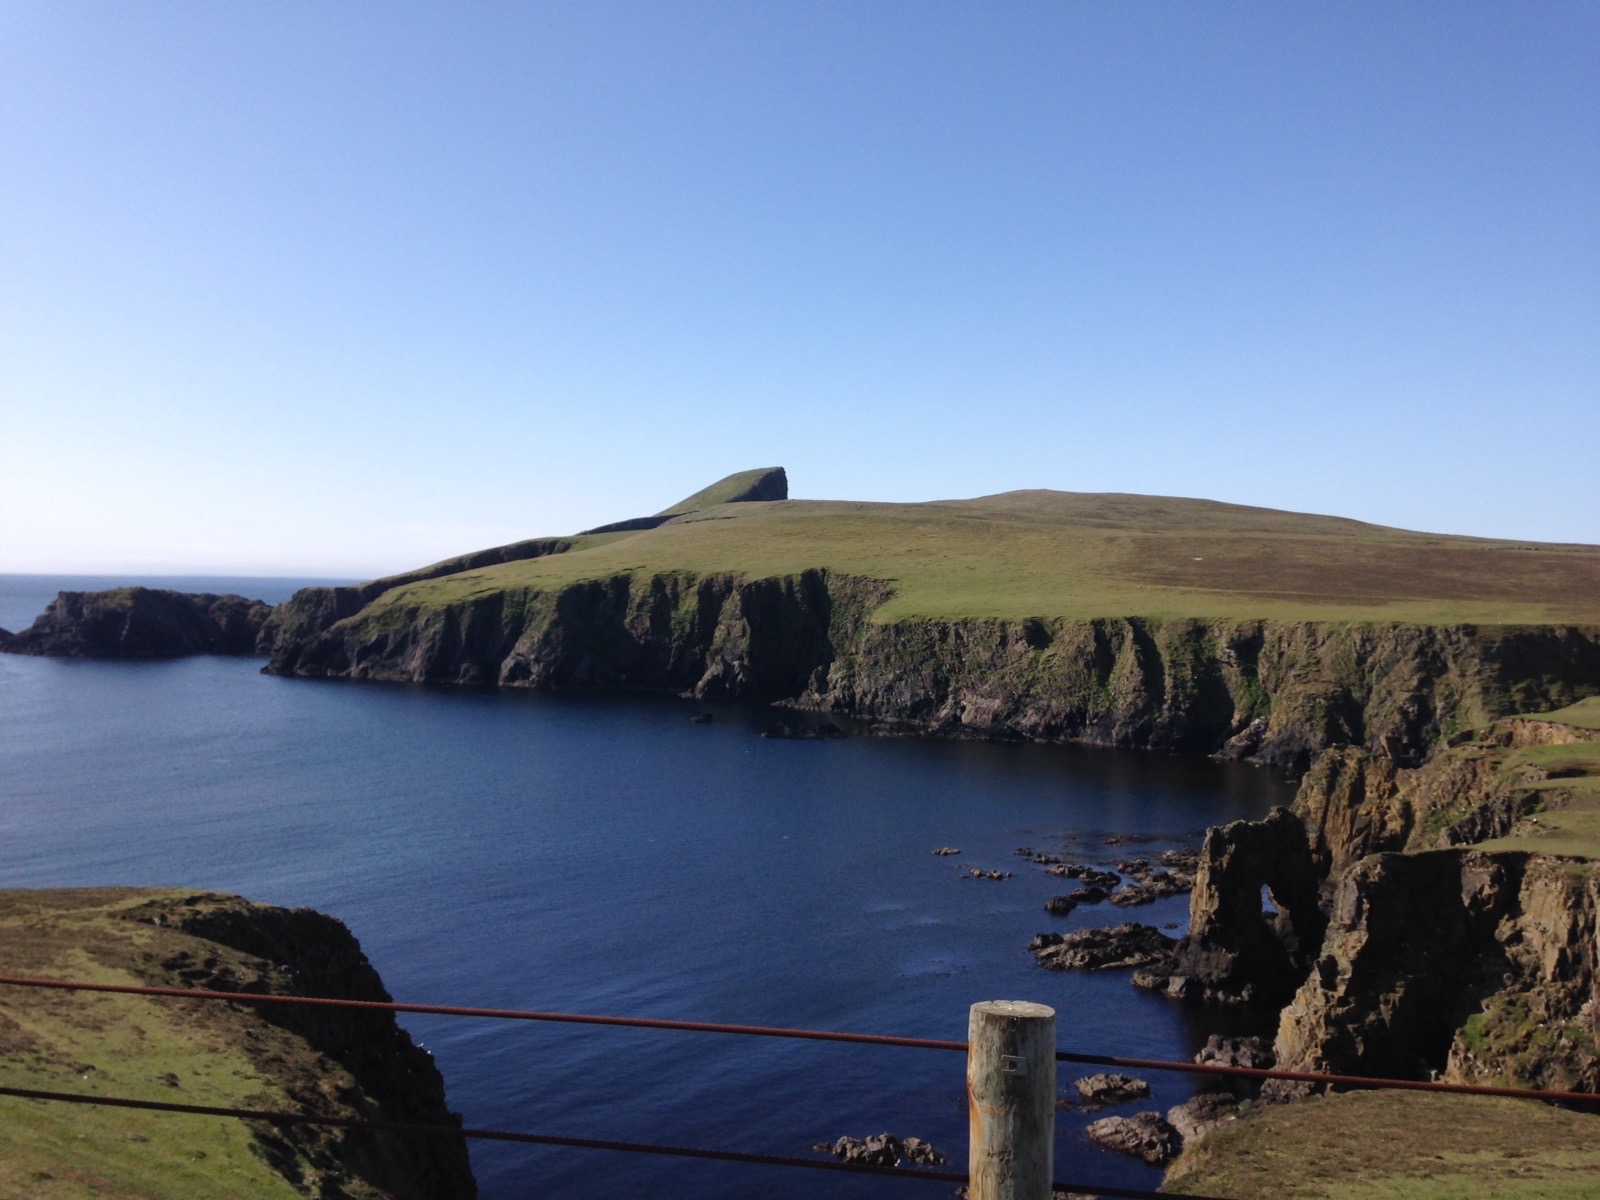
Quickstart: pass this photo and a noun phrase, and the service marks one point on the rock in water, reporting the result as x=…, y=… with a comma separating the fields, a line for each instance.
x=1111, y=1089
x=1149, y=886
x=1147, y=1135
x=1104, y=880
x=1253, y=1053
x=1102, y=949
x=881, y=1150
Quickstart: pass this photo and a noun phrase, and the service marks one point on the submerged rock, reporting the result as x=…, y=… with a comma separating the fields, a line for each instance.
x=1037, y=856
x=784, y=729
x=1090, y=876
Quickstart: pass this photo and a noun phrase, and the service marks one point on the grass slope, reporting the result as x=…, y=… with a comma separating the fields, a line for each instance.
x=1568, y=776
x=1064, y=554
x=116, y=1045
x=147, y=1049
x=1585, y=714
x=1399, y=1146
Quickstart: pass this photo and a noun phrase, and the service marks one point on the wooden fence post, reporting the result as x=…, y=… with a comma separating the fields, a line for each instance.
x=1011, y=1100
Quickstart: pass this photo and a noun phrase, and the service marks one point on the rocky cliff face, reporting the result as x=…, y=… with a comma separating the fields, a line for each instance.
x=1481, y=965
x=1476, y=965
x=1237, y=949
x=1275, y=693
x=1355, y=802
x=141, y=622
x=718, y=636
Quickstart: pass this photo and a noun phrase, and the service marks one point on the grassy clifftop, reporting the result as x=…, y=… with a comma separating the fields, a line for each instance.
x=1082, y=555
x=346, y=1065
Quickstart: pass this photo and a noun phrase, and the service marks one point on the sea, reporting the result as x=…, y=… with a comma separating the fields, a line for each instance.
x=604, y=854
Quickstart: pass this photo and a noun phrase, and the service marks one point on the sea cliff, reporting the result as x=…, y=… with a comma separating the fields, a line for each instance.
x=139, y=622
x=1271, y=691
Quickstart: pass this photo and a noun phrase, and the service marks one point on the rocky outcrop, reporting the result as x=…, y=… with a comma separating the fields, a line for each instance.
x=1201, y=1114
x=882, y=1150
x=1477, y=965
x=1101, y=949
x=1106, y=1089
x=1238, y=950
x=1289, y=690
x=139, y=622
x=1146, y=1135
x=1356, y=803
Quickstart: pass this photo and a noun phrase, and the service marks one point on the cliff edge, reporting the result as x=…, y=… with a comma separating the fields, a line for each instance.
x=359, y=1065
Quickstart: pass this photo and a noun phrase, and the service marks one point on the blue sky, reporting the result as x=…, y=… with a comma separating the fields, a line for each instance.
x=343, y=288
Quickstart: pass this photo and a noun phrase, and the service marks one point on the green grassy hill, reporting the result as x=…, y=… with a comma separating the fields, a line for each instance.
x=1065, y=554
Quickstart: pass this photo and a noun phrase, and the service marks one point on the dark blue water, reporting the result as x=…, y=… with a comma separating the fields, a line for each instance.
x=602, y=854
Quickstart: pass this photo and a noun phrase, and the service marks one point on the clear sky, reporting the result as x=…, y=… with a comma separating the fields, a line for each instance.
x=344, y=288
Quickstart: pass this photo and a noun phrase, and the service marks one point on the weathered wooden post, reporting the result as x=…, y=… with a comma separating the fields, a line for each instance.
x=1011, y=1100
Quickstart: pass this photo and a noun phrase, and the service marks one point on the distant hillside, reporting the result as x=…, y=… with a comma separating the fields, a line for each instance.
x=1056, y=616
x=1084, y=555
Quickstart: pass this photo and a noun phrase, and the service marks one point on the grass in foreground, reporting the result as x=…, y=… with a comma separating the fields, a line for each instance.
x=115, y=1045
x=1399, y=1146
x=148, y=1049
x=1059, y=554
